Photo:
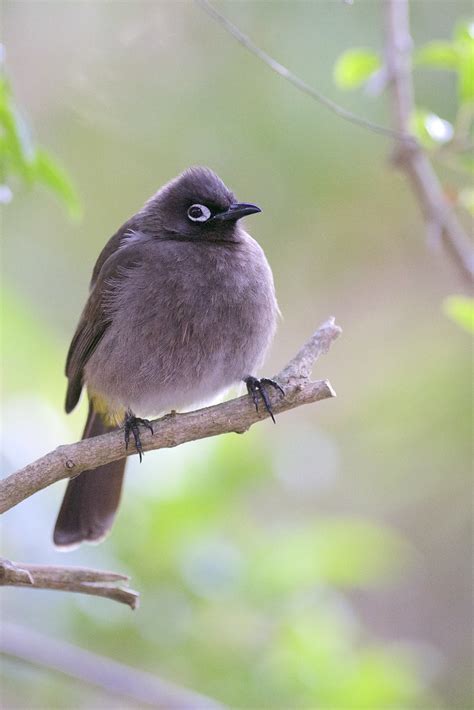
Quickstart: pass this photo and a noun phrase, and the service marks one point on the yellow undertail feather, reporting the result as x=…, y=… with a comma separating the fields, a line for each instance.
x=112, y=416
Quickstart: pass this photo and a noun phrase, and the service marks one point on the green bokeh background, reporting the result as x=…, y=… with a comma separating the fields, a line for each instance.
x=324, y=562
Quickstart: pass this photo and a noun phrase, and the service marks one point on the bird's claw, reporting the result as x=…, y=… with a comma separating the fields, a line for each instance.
x=257, y=386
x=131, y=425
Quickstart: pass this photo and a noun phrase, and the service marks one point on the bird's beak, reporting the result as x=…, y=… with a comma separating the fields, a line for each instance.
x=236, y=211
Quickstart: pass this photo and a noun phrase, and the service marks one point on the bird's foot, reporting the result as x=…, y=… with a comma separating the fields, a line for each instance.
x=131, y=425
x=256, y=386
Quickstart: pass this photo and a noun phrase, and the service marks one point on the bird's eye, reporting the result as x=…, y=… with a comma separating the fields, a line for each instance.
x=199, y=213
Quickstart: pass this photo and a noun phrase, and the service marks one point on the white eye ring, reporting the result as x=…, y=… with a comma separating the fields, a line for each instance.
x=201, y=213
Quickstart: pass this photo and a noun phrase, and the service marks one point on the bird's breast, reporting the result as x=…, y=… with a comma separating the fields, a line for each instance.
x=186, y=325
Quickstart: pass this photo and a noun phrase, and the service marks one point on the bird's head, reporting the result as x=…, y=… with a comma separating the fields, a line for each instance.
x=197, y=205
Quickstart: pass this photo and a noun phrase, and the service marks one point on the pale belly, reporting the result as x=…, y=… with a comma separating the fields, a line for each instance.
x=158, y=366
x=177, y=342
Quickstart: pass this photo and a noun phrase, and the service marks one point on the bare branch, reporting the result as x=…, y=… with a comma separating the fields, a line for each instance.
x=236, y=415
x=68, y=579
x=109, y=675
x=410, y=157
x=299, y=368
x=171, y=430
x=299, y=83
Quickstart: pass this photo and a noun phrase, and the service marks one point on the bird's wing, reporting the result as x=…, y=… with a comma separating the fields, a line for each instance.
x=115, y=242
x=96, y=317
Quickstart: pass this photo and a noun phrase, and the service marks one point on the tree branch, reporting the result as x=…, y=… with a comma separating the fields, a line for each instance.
x=296, y=81
x=173, y=429
x=236, y=415
x=68, y=579
x=109, y=675
x=439, y=217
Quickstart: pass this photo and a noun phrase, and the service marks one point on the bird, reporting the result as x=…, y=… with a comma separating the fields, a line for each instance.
x=181, y=307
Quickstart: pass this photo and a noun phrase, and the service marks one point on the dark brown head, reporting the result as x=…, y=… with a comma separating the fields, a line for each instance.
x=195, y=205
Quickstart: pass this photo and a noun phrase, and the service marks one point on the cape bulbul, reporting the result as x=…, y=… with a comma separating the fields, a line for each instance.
x=181, y=307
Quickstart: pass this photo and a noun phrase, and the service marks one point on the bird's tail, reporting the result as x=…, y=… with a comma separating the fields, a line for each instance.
x=91, y=500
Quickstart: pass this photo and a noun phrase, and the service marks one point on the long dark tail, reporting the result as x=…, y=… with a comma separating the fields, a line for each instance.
x=91, y=500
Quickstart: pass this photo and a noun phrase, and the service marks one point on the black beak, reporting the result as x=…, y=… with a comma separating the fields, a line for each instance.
x=236, y=211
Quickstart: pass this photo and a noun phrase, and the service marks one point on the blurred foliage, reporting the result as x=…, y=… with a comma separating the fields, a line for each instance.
x=318, y=563
x=266, y=599
x=21, y=159
x=457, y=56
x=430, y=129
x=461, y=310
x=355, y=68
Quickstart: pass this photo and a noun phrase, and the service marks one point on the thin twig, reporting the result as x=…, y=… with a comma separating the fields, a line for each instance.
x=296, y=81
x=236, y=415
x=438, y=214
x=68, y=579
x=109, y=675
x=410, y=158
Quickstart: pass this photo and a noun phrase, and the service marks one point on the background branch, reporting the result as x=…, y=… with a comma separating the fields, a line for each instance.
x=236, y=415
x=109, y=675
x=439, y=217
x=68, y=579
x=296, y=81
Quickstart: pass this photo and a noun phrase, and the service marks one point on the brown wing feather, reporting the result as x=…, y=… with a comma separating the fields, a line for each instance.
x=89, y=332
x=95, y=319
x=112, y=246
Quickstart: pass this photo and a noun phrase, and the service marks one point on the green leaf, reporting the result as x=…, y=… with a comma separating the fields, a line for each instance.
x=19, y=156
x=354, y=67
x=464, y=31
x=16, y=149
x=457, y=55
x=464, y=43
x=466, y=77
x=51, y=174
x=437, y=54
x=461, y=310
x=430, y=129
